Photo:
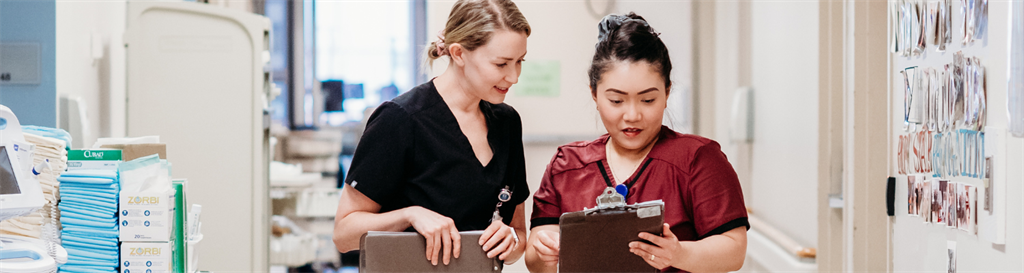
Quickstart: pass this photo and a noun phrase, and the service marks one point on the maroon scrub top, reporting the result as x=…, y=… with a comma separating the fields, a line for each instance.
x=689, y=173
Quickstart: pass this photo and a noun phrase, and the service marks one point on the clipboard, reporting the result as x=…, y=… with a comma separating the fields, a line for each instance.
x=597, y=240
x=381, y=251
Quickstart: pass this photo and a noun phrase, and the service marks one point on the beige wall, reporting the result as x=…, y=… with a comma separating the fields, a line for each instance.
x=99, y=82
x=784, y=157
x=706, y=44
x=867, y=229
x=830, y=127
x=771, y=47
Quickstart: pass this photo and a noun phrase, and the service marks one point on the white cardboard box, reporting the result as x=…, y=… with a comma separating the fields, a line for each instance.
x=146, y=216
x=146, y=257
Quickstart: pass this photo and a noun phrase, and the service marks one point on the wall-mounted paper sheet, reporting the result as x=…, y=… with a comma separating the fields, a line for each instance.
x=992, y=222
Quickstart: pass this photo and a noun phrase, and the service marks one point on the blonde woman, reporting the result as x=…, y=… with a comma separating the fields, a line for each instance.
x=447, y=156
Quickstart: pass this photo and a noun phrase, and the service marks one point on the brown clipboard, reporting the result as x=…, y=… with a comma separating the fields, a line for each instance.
x=597, y=240
x=406, y=252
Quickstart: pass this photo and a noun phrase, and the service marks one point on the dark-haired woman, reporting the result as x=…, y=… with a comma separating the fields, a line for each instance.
x=705, y=218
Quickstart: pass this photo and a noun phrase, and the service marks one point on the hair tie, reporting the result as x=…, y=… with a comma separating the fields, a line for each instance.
x=612, y=22
x=440, y=44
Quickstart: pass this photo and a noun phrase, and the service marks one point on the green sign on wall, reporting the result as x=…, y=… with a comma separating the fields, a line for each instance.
x=539, y=79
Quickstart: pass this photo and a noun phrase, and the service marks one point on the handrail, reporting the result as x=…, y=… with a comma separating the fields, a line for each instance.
x=780, y=238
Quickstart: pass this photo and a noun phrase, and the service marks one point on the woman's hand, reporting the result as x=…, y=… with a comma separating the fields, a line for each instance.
x=665, y=251
x=498, y=240
x=547, y=246
x=439, y=231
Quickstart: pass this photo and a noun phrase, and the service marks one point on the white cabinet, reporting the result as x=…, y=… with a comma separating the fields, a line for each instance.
x=196, y=77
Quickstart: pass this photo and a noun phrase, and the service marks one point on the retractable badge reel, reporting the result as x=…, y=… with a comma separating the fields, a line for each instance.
x=504, y=196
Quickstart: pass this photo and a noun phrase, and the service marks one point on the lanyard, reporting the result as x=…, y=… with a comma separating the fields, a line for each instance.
x=629, y=184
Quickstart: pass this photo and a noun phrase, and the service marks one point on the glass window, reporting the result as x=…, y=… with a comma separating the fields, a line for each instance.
x=365, y=55
x=277, y=11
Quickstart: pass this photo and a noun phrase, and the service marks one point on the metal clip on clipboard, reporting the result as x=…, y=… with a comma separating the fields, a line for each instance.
x=610, y=199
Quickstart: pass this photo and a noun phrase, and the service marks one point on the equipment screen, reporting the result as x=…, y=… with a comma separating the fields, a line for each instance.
x=8, y=184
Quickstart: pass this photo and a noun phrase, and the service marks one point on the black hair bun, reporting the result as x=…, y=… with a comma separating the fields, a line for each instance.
x=611, y=23
x=631, y=39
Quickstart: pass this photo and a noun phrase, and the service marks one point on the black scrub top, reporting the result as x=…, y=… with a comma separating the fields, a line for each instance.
x=413, y=153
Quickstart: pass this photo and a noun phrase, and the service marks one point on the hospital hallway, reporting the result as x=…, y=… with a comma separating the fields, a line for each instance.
x=221, y=135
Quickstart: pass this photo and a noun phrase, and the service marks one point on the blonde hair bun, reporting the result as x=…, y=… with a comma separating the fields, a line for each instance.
x=471, y=23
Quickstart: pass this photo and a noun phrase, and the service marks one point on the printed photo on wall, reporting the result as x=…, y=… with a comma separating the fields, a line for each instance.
x=925, y=197
x=971, y=209
x=912, y=195
x=936, y=209
x=950, y=204
x=961, y=206
x=988, y=187
x=919, y=194
x=943, y=202
x=951, y=253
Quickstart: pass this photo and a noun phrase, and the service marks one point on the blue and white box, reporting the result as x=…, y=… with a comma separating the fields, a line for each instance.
x=146, y=257
x=146, y=216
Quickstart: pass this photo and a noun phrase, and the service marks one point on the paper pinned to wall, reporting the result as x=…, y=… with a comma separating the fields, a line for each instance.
x=539, y=79
x=992, y=221
x=951, y=254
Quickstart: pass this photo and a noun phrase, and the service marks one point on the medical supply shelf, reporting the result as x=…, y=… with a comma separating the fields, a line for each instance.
x=309, y=207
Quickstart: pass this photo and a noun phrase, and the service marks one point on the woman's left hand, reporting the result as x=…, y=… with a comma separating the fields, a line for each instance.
x=498, y=240
x=663, y=253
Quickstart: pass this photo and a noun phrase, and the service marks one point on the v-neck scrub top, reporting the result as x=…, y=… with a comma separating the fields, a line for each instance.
x=689, y=173
x=413, y=153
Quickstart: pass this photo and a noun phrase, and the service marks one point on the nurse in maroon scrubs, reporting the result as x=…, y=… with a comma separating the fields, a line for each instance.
x=705, y=218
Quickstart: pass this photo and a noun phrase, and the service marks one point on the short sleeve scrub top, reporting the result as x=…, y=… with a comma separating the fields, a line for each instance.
x=689, y=173
x=413, y=153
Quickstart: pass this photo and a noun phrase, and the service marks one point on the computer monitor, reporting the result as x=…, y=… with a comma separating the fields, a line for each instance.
x=388, y=92
x=353, y=91
x=8, y=182
x=20, y=193
x=334, y=95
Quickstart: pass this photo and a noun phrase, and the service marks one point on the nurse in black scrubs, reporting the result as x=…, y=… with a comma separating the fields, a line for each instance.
x=447, y=156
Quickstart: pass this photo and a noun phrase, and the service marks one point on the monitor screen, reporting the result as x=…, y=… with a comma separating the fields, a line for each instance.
x=8, y=183
x=334, y=95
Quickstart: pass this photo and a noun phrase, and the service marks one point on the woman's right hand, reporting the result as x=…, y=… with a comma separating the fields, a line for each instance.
x=546, y=246
x=439, y=231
